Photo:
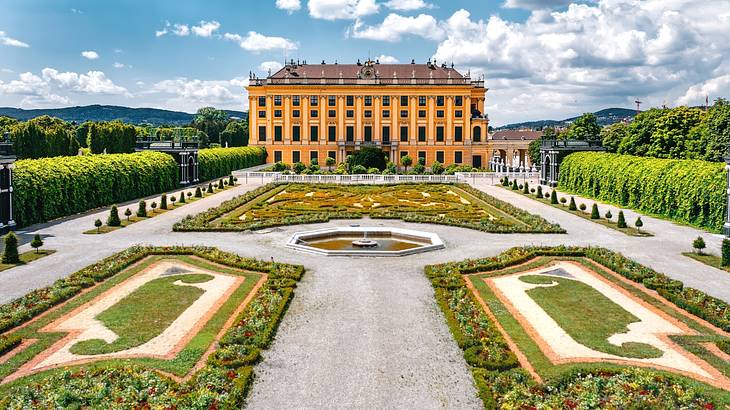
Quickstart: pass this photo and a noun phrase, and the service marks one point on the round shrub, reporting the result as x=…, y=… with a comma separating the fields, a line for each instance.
x=582, y=207
x=478, y=357
x=562, y=200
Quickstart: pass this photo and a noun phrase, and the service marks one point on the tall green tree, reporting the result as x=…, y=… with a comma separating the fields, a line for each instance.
x=716, y=138
x=638, y=135
x=612, y=135
x=584, y=128
x=235, y=134
x=212, y=122
x=671, y=136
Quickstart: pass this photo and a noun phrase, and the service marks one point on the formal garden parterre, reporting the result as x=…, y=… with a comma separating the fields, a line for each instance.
x=582, y=328
x=171, y=327
x=287, y=204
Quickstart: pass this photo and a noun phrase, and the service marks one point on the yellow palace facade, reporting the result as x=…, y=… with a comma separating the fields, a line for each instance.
x=306, y=112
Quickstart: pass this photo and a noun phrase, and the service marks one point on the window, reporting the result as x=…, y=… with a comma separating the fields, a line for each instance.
x=404, y=113
x=277, y=100
x=403, y=153
x=313, y=100
x=262, y=101
x=368, y=101
x=422, y=157
x=404, y=101
x=262, y=133
x=332, y=133
x=313, y=157
x=421, y=134
x=277, y=133
x=368, y=133
x=295, y=113
x=295, y=157
x=350, y=133
x=350, y=113
x=458, y=101
x=403, y=134
x=440, y=156
x=439, y=113
x=477, y=137
x=457, y=134
x=386, y=101
x=296, y=134
x=368, y=113
x=422, y=101
x=386, y=113
x=296, y=100
x=421, y=113
x=332, y=113
x=277, y=113
x=440, y=135
x=386, y=134
x=350, y=101
x=440, y=101
x=332, y=154
x=277, y=156
x=331, y=100
x=457, y=157
x=313, y=133
x=314, y=113
x=458, y=114
x=262, y=114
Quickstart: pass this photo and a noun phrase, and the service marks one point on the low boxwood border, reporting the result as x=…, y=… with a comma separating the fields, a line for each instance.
x=473, y=330
x=203, y=221
x=224, y=380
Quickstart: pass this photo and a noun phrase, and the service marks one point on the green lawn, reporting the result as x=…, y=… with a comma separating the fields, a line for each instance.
x=27, y=257
x=587, y=315
x=144, y=313
x=707, y=259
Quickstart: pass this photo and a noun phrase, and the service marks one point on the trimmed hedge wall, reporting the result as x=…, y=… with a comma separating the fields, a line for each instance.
x=218, y=162
x=50, y=188
x=688, y=191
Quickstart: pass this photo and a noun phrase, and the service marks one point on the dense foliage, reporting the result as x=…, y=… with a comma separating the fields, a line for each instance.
x=218, y=162
x=109, y=137
x=367, y=157
x=501, y=385
x=689, y=191
x=235, y=134
x=43, y=137
x=50, y=188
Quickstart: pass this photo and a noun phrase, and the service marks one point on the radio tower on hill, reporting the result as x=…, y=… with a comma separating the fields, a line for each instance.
x=638, y=106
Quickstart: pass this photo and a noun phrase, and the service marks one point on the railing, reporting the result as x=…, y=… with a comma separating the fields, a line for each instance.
x=468, y=177
x=571, y=144
x=6, y=149
x=149, y=144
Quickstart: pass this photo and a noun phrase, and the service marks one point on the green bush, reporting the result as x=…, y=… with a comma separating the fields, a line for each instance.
x=572, y=206
x=725, y=252
x=198, y=192
x=50, y=188
x=142, y=209
x=553, y=197
x=10, y=255
x=688, y=191
x=113, y=219
x=594, y=212
x=539, y=191
x=621, y=222
x=163, y=201
x=526, y=188
x=218, y=162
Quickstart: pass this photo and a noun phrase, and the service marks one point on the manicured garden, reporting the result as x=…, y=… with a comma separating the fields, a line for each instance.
x=211, y=367
x=287, y=204
x=484, y=324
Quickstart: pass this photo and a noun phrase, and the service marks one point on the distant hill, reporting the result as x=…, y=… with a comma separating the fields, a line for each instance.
x=127, y=115
x=607, y=116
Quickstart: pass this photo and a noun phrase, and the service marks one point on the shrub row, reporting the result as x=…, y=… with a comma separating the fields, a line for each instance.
x=223, y=382
x=49, y=188
x=501, y=384
x=217, y=162
x=688, y=191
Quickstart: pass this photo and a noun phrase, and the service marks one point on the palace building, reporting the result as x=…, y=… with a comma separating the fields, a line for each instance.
x=306, y=111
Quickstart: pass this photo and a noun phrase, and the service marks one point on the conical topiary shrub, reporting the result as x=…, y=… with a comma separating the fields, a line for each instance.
x=539, y=191
x=621, y=222
x=725, y=251
x=554, y=197
x=163, y=201
x=572, y=206
x=594, y=212
x=142, y=209
x=113, y=219
x=526, y=189
x=10, y=255
x=210, y=188
x=198, y=192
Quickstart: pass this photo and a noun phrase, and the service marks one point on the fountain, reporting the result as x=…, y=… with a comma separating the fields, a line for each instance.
x=365, y=241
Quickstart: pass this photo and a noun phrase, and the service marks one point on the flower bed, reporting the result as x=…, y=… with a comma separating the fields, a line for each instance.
x=223, y=381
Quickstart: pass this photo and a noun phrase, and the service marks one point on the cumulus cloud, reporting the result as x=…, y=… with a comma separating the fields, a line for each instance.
x=386, y=59
x=118, y=65
x=256, y=42
x=90, y=55
x=181, y=30
x=342, y=9
x=206, y=28
x=272, y=66
x=535, y=4
x=714, y=87
x=9, y=41
x=289, y=5
x=190, y=94
x=408, y=5
x=395, y=26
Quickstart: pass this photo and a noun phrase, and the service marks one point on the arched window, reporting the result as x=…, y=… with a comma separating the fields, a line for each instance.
x=477, y=137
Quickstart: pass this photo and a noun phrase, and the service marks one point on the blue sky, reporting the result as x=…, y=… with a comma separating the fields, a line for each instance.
x=540, y=58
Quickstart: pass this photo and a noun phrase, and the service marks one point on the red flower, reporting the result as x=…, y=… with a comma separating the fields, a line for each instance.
x=709, y=406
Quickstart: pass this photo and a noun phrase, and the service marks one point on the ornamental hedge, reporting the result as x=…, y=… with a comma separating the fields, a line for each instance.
x=50, y=188
x=218, y=162
x=688, y=191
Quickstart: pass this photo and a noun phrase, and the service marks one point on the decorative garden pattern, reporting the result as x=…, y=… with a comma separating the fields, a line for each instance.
x=286, y=204
x=177, y=318
x=571, y=317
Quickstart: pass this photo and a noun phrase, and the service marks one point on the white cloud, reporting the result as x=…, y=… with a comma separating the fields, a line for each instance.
x=258, y=42
x=160, y=33
x=408, y=5
x=289, y=5
x=206, y=28
x=274, y=66
x=385, y=59
x=712, y=88
x=395, y=26
x=118, y=65
x=9, y=41
x=181, y=30
x=93, y=82
x=190, y=94
x=342, y=9
x=90, y=55
x=536, y=4
x=6, y=70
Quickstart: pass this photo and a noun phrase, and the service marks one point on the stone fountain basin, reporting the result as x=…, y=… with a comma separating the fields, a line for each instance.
x=338, y=241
